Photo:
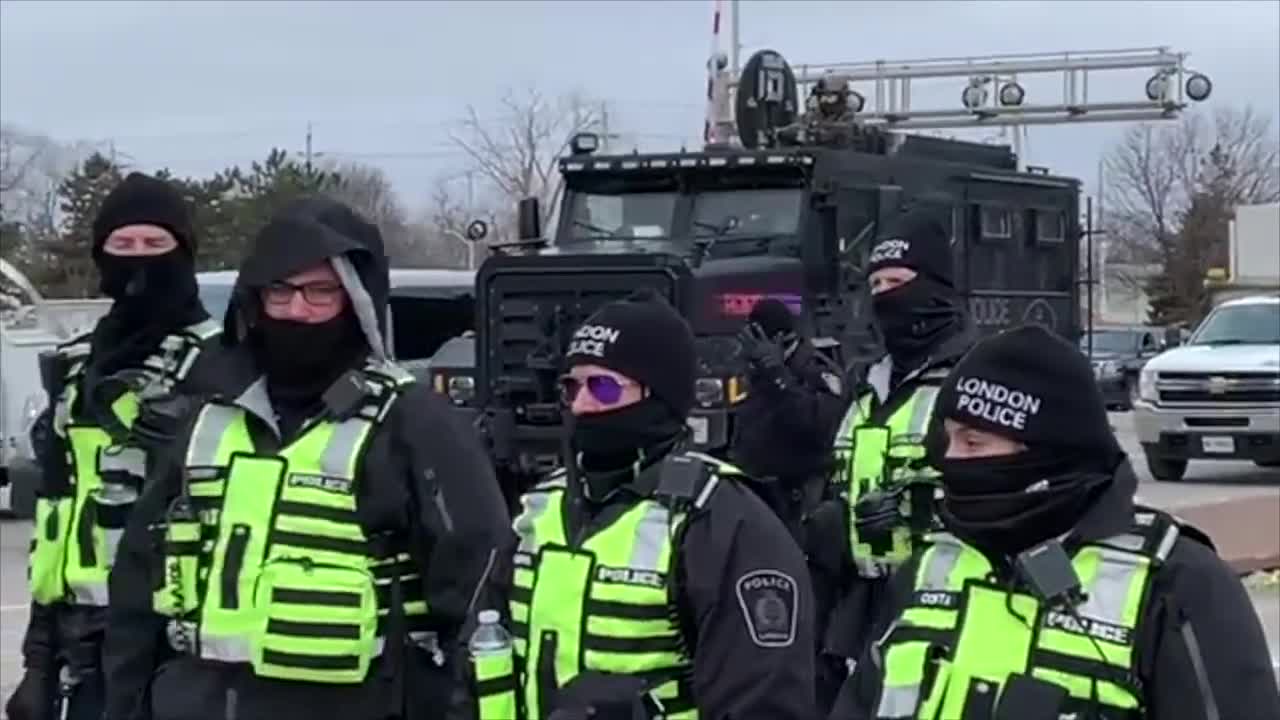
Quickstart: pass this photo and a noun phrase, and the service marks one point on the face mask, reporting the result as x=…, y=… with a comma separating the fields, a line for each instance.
x=1007, y=504
x=305, y=355
x=913, y=316
x=146, y=279
x=620, y=435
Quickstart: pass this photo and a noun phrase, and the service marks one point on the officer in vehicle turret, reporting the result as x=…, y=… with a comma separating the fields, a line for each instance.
x=1049, y=593
x=648, y=581
x=882, y=477
x=785, y=425
x=114, y=397
x=319, y=534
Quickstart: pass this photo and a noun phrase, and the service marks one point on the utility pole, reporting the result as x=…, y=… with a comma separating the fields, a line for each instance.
x=735, y=8
x=604, y=127
x=471, y=213
x=308, y=151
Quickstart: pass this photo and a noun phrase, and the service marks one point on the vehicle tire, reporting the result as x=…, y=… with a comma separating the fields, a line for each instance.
x=1166, y=469
x=22, y=497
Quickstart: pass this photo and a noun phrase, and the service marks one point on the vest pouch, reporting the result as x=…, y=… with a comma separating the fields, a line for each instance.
x=867, y=468
x=317, y=622
x=49, y=539
x=177, y=593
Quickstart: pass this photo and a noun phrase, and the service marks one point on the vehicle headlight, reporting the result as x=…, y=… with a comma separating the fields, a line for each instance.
x=708, y=391
x=1147, y=385
x=461, y=389
x=1106, y=369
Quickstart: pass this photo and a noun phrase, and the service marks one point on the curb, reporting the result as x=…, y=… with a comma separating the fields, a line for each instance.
x=1246, y=530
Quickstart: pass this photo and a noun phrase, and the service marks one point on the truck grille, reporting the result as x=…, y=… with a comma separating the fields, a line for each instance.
x=530, y=312
x=1218, y=388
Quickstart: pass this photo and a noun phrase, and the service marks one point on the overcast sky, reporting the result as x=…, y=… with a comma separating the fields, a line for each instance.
x=201, y=85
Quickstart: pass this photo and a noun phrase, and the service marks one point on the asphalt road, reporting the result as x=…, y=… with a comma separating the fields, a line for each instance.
x=1205, y=482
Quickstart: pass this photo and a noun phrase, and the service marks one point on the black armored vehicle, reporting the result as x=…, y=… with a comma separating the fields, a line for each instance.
x=789, y=215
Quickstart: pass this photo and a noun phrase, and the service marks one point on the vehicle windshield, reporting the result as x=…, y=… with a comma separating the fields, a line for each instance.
x=1252, y=324
x=756, y=212
x=629, y=216
x=216, y=297
x=1111, y=341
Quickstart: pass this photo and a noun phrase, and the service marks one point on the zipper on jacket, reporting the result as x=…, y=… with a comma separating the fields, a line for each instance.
x=232, y=562
x=1198, y=667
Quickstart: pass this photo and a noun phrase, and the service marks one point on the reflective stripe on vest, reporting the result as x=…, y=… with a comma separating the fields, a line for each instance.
x=72, y=561
x=862, y=449
x=293, y=585
x=963, y=636
x=604, y=606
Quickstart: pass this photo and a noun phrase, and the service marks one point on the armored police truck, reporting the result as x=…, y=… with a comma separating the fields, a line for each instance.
x=788, y=215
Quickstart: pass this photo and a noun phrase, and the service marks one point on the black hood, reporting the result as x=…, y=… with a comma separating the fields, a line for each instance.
x=303, y=233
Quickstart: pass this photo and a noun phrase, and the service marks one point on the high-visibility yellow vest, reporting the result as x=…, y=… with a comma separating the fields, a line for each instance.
x=265, y=558
x=76, y=533
x=603, y=603
x=867, y=454
x=950, y=653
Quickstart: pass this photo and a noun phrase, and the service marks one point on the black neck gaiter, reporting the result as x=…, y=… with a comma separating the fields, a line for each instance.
x=614, y=443
x=152, y=296
x=1004, y=505
x=302, y=360
x=914, y=318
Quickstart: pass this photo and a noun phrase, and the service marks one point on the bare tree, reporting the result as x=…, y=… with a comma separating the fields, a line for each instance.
x=18, y=154
x=1153, y=174
x=448, y=218
x=516, y=148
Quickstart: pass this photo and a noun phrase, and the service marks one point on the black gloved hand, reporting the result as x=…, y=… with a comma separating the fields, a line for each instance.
x=600, y=696
x=159, y=419
x=35, y=698
x=764, y=355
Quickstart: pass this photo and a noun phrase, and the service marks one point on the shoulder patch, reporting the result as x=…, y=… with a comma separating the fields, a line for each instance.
x=769, y=600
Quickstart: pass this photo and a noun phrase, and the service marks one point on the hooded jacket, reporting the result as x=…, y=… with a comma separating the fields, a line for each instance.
x=1202, y=654
x=423, y=477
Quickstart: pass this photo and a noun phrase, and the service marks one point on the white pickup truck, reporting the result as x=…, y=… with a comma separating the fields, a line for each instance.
x=1218, y=396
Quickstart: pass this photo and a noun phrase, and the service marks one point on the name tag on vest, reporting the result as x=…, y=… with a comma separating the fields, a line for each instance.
x=1097, y=628
x=628, y=576
x=327, y=483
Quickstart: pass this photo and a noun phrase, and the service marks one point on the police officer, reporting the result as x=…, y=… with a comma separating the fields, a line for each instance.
x=856, y=541
x=111, y=392
x=786, y=424
x=1049, y=593
x=648, y=581
x=315, y=542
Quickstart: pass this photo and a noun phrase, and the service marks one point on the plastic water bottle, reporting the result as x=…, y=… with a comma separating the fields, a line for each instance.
x=490, y=638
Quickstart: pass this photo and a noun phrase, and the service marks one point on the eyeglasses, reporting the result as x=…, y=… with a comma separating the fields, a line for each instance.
x=606, y=389
x=320, y=294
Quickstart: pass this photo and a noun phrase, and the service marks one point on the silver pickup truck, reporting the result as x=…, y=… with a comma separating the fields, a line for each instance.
x=1218, y=396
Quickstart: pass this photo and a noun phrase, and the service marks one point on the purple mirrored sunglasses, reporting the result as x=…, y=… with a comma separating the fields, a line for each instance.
x=606, y=389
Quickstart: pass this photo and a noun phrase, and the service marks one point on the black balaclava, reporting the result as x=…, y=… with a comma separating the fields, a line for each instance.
x=153, y=295
x=915, y=317
x=1028, y=385
x=644, y=338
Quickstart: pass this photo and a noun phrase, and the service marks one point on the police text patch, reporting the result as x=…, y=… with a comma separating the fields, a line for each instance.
x=769, y=600
x=328, y=483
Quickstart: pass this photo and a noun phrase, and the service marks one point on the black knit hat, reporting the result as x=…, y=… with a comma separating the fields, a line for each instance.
x=1029, y=385
x=143, y=200
x=644, y=338
x=916, y=239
